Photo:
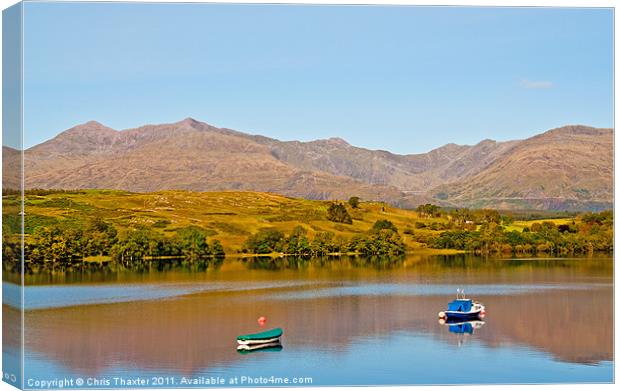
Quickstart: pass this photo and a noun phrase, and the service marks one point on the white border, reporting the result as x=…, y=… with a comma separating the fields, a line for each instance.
x=483, y=3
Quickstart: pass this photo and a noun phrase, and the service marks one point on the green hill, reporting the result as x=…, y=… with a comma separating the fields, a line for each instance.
x=229, y=216
x=66, y=228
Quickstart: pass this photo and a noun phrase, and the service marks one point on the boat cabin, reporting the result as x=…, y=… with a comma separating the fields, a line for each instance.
x=461, y=305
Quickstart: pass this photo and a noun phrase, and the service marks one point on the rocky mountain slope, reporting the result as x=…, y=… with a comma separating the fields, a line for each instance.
x=569, y=167
x=564, y=168
x=188, y=155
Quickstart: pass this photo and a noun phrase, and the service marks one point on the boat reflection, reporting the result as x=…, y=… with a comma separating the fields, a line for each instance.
x=266, y=347
x=458, y=327
x=462, y=329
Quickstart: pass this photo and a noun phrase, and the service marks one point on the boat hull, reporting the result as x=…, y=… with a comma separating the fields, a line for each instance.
x=456, y=315
x=257, y=341
x=269, y=336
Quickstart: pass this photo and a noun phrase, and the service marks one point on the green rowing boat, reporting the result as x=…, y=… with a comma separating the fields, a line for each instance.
x=264, y=337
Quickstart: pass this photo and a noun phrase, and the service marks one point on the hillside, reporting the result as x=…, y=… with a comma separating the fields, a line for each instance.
x=11, y=163
x=569, y=168
x=187, y=155
x=79, y=219
x=565, y=168
x=227, y=216
x=409, y=173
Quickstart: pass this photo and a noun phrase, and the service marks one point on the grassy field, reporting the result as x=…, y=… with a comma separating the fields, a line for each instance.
x=519, y=225
x=228, y=216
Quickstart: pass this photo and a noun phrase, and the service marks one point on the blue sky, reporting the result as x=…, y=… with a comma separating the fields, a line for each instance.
x=404, y=79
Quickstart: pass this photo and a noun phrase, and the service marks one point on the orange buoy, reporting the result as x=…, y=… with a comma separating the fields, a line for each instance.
x=262, y=320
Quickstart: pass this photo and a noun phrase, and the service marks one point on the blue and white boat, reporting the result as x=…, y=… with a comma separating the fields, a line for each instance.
x=463, y=308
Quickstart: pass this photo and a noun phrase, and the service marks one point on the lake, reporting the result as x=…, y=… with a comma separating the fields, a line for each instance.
x=348, y=321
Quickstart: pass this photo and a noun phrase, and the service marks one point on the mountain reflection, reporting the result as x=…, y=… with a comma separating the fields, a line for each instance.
x=571, y=321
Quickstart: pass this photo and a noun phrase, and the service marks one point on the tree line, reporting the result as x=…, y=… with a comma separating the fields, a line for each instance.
x=382, y=239
x=589, y=233
x=57, y=247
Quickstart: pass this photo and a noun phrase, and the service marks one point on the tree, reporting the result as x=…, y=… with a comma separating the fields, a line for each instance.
x=193, y=242
x=384, y=224
x=56, y=246
x=536, y=227
x=137, y=244
x=299, y=232
x=99, y=237
x=354, y=202
x=383, y=242
x=428, y=210
x=217, y=250
x=297, y=242
x=323, y=243
x=337, y=213
x=489, y=216
x=461, y=216
x=507, y=219
x=265, y=241
x=11, y=254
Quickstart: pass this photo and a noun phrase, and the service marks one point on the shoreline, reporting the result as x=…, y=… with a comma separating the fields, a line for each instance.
x=426, y=251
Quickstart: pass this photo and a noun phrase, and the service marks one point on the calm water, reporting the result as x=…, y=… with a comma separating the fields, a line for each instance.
x=346, y=322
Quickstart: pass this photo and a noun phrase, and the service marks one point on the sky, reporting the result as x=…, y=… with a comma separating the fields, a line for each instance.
x=403, y=79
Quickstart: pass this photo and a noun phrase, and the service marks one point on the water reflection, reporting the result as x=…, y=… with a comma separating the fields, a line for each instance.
x=328, y=307
x=458, y=327
x=463, y=330
x=296, y=263
x=467, y=268
x=266, y=347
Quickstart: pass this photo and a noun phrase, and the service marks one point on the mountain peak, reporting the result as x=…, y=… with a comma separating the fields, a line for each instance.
x=337, y=141
x=89, y=127
x=79, y=139
x=92, y=125
x=450, y=147
x=189, y=121
x=486, y=142
x=577, y=130
x=192, y=123
x=572, y=163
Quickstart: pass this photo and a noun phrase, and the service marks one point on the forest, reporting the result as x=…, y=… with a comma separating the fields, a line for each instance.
x=69, y=229
x=588, y=233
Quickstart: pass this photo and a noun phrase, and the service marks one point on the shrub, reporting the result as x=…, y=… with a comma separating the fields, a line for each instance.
x=384, y=224
x=264, y=242
x=337, y=213
x=354, y=202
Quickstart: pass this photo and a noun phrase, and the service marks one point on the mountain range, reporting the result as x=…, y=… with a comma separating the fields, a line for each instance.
x=565, y=168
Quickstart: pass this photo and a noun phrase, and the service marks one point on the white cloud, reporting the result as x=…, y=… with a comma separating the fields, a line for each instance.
x=536, y=84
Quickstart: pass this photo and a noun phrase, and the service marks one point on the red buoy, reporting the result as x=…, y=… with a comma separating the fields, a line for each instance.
x=262, y=320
